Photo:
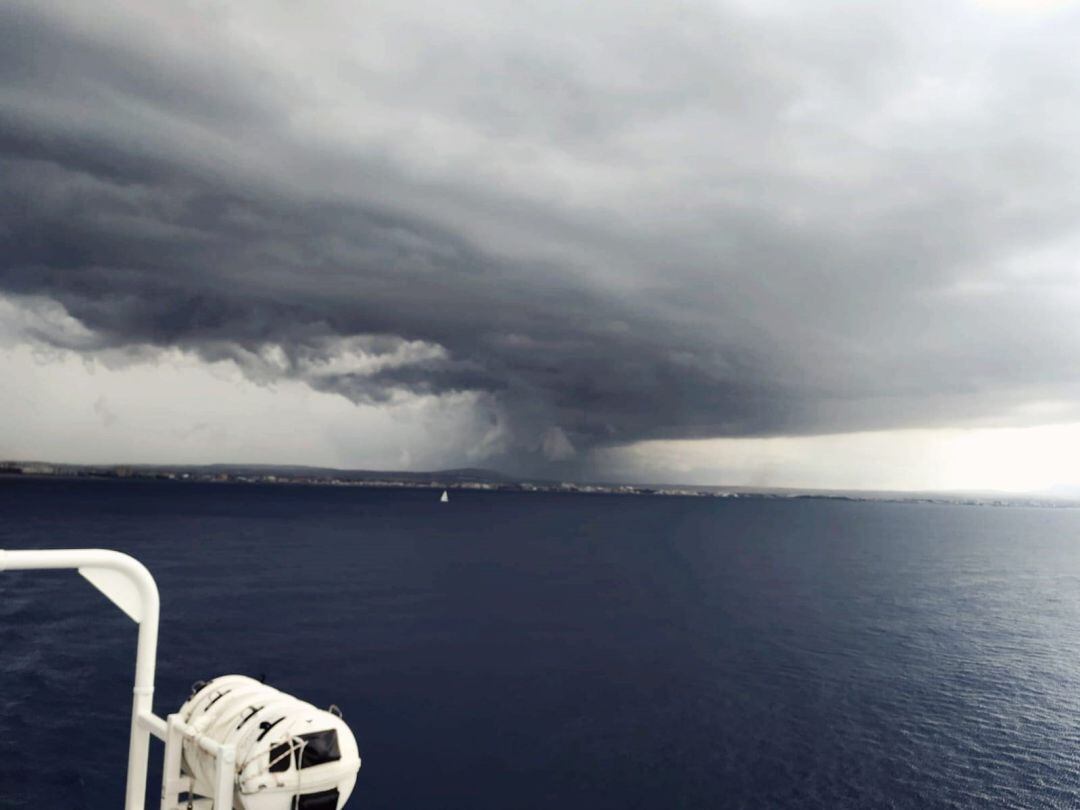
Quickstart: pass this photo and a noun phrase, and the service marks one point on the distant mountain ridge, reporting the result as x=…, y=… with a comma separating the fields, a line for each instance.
x=460, y=474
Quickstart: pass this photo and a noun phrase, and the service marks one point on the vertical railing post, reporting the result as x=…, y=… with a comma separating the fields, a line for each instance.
x=170, y=771
x=142, y=703
x=226, y=777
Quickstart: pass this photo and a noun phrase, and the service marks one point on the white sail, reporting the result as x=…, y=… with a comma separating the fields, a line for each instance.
x=445, y=497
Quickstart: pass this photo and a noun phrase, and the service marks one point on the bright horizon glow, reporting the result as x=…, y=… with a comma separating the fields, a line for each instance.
x=1025, y=6
x=1044, y=458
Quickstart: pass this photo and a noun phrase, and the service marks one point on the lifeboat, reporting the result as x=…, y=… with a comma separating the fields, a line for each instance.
x=289, y=754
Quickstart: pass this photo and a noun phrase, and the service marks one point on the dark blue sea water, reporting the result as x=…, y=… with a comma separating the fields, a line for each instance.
x=539, y=651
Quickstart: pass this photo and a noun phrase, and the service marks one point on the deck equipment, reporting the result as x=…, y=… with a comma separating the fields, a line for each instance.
x=236, y=744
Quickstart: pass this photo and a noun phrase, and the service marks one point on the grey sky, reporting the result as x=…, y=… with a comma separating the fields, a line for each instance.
x=597, y=223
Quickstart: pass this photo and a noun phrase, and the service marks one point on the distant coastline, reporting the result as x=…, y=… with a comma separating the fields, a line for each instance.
x=484, y=480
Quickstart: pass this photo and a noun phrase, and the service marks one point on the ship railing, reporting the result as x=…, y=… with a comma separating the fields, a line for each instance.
x=128, y=585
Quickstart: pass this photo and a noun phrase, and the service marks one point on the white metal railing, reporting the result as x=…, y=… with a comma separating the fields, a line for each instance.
x=173, y=783
x=128, y=585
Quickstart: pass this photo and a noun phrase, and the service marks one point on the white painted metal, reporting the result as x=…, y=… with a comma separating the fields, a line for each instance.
x=225, y=778
x=174, y=779
x=260, y=722
x=127, y=583
x=171, y=783
x=154, y=724
x=120, y=590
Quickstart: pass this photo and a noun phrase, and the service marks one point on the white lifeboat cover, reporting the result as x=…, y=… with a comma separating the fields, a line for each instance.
x=286, y=749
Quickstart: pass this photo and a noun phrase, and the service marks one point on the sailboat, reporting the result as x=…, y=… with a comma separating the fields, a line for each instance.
x=445, y=497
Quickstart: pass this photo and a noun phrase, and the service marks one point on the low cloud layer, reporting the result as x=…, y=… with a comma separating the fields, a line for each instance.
x=601, y=224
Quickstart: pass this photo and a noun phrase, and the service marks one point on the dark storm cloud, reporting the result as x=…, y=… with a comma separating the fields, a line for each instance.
x=617, y=223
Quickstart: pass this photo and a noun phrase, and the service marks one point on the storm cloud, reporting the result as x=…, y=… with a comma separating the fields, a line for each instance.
x=607, y=222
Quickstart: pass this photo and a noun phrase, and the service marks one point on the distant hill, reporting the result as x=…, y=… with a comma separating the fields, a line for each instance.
x=459, y=475
x=462, y=474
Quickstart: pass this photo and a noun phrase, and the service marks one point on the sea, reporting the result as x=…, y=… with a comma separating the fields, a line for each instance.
x=527, y=650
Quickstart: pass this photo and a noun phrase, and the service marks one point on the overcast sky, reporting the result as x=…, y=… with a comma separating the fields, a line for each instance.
x=747, y=242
